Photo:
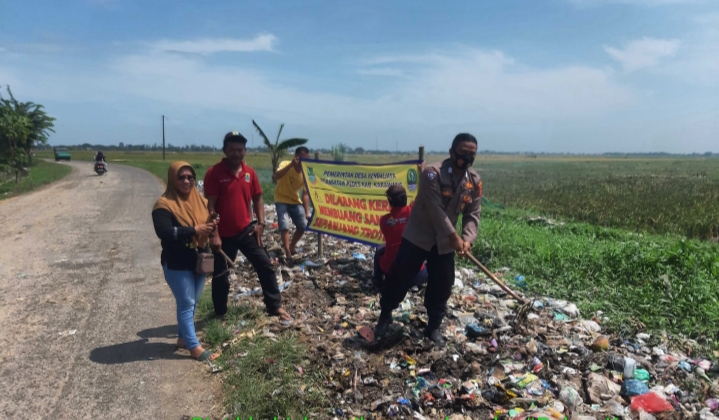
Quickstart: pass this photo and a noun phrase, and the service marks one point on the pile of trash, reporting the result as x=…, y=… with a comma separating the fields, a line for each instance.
x=503, y=359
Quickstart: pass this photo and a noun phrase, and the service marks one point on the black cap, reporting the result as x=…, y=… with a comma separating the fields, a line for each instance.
x=235, y=136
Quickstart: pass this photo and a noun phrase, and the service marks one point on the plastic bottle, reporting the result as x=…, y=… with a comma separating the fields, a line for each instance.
x=629, y=366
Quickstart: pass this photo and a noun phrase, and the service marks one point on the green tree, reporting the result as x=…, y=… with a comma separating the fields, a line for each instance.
x=14, y=132
x=40, y=124
x=278, y=149
x=339, y=152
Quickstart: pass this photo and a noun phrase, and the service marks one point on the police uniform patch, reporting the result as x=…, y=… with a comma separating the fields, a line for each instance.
x=446, y=192
x=479, y=187
x=467, y=198
x=431, y=175
x=247, y=178
x=469, y=185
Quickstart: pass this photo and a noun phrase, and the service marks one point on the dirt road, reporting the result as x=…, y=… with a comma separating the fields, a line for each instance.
x=81, y=255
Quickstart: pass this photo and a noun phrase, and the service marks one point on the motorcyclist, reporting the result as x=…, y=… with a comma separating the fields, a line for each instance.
x=100, y=160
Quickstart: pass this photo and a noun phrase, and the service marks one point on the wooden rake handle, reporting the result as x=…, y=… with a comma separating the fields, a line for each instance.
x=229, y=261
x=494, y=279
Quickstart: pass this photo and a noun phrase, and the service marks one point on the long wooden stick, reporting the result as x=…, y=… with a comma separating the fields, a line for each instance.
x=229, y=261
x=494, y=279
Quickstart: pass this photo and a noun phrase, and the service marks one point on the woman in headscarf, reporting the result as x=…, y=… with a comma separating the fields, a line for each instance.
x=184, y=225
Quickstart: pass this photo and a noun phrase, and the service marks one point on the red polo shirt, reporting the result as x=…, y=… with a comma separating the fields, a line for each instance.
x=392, y=226
x=234, y=196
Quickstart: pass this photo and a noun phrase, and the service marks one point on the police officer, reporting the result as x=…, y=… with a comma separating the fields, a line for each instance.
x=446, y=190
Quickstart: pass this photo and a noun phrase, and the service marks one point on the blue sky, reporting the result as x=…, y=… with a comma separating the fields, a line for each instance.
x=556, y=75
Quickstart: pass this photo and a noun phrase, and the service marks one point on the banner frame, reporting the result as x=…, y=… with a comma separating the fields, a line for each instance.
x=321, y=161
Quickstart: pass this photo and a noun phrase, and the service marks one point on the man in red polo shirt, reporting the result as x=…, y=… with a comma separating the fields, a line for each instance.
x=392, y=226
x=232, y=190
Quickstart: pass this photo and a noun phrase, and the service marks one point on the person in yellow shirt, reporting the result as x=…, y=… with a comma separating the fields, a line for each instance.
x=288, y=203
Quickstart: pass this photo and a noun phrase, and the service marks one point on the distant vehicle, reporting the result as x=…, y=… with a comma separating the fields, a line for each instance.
x=62, y=154
x=100, y=167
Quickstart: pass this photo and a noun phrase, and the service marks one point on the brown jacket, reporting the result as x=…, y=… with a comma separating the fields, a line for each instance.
x=442, y=197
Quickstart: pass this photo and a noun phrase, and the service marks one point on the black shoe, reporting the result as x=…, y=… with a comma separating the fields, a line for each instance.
x=382, y=326
x=435, y=335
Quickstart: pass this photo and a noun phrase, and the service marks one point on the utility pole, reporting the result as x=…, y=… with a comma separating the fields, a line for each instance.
x=163, y=137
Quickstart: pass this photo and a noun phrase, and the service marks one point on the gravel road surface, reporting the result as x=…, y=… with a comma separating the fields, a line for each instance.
x=81, y=256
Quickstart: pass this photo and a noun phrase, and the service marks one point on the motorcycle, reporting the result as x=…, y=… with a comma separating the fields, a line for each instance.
x=100, y=167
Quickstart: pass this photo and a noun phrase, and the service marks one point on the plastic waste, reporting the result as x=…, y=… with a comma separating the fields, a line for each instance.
x=633, y=387
x=615, y=363
x=474, y=331
x=571, y=310
x=589, y=326
x=570, y=398
x=560, y=317
x=601, y=388
x=651, y=403
x=253, y=292
x=310, y=264
x=640, y=375
x=358, y=256
x=629, y=367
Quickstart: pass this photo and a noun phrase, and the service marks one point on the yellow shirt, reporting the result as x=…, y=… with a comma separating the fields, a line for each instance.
x=288, y=185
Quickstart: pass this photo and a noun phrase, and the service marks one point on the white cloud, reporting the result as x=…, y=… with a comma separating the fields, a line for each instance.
x=645, y=52
x=698, y=63
x=263, y=42
x=469, y=85
x=438, y=94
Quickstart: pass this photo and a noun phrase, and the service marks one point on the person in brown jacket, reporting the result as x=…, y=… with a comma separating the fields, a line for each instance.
x=446, y=190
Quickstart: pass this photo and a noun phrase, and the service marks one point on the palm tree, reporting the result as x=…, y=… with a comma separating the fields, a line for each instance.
x=278, y=149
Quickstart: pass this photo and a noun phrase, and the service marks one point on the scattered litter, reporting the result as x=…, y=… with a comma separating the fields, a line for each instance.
x=502, y=359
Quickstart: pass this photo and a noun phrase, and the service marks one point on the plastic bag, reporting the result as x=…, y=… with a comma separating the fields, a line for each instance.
x=651, y=403
x=570, y=397
x=633, y=388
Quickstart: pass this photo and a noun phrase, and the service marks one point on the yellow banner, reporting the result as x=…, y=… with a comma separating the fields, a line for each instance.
x=348, y=198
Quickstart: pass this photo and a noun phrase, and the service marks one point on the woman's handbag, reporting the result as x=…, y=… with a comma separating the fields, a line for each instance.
x=205, y=262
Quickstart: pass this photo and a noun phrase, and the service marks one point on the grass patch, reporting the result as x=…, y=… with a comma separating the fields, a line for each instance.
x=260, y=373
x=201, y=162
x=639, y=281
x=40, y=173
x=265, y=381
x=669, y=195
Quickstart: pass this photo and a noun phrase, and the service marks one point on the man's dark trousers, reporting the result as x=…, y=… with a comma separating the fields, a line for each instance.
x=403, y=272
x=260, y=260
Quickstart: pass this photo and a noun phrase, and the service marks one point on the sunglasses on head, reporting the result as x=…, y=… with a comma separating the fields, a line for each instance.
x=186, y=178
